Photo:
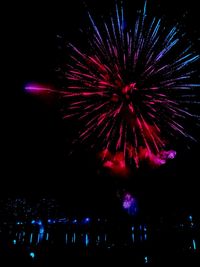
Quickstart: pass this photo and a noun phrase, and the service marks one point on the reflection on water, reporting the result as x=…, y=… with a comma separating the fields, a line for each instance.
x=41, y=239
x=74, y=233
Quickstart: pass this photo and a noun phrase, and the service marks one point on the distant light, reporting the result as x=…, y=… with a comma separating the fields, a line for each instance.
x=49, y=221
x=31, y=238
x=14, y=242
x=39, y=222
x=194, y=244
x=133, y=238
x=132, y=228
x=47, y=236
x=190, y=217
x=18, y=223
x=87, y=220
x=145, y=259
x=86, y=240
x=32, y=254
x=41, y=230
x=63, y=220
x=33, y=221
x=38, y=239
x=41, y=233
x=74, y=238
x=75, y=221
x=19, y=236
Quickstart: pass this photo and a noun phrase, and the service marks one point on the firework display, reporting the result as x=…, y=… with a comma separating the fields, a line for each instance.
x=131, y=88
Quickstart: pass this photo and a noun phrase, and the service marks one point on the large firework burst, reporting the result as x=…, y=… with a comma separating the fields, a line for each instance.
x=131, y=87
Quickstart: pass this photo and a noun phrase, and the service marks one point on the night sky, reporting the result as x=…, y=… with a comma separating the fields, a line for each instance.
x=36, y=140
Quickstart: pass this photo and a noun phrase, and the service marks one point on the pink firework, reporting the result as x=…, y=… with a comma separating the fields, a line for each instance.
x=130, y=88
x=129, y=203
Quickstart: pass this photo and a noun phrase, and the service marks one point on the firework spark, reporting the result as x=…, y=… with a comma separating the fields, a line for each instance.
x=131, y=88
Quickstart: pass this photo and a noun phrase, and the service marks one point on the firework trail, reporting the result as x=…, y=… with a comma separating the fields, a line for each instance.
x=131, y=88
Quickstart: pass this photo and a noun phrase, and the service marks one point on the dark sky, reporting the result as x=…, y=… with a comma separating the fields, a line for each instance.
x=35, y=138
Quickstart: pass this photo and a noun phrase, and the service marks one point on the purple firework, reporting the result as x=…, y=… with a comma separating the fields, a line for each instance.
x=130, y=204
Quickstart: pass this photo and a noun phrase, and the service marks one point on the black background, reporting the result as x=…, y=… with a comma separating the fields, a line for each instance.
x=35, y=142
